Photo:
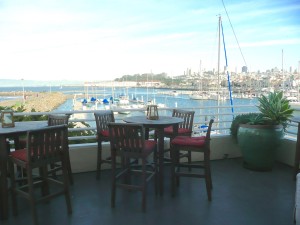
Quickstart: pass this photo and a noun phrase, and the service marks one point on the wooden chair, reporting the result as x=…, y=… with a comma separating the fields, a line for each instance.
x=191, y=144
x=184, y=129
x=128, y=142
x=44, y=147
x=102, y=119
x=54, y=120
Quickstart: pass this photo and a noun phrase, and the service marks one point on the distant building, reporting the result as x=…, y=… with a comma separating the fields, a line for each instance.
x=244, y=69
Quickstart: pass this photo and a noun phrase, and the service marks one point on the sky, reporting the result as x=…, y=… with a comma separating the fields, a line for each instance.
x=105, y=39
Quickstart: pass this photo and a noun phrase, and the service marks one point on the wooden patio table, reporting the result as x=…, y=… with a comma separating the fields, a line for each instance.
x=19, y=129
x=158, y=125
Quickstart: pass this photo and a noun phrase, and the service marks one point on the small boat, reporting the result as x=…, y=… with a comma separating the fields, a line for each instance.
x=199, y=96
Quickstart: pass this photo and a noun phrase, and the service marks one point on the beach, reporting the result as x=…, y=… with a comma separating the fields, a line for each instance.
x=39, y=101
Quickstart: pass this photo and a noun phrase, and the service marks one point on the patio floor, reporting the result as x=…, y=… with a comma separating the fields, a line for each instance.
x=239, y=197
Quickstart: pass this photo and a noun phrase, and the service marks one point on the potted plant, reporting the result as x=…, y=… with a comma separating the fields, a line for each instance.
x=259, y=134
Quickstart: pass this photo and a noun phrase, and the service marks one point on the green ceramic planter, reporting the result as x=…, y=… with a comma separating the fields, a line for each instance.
x=258, y=144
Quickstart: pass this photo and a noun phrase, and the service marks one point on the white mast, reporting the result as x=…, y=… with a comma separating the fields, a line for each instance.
x=200, y=78
x=219, y=47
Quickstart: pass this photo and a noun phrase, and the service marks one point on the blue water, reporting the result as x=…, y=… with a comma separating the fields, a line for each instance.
x=145, y=94
x=180, y=101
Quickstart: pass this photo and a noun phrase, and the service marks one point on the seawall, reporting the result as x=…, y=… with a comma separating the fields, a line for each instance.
x=40, y=102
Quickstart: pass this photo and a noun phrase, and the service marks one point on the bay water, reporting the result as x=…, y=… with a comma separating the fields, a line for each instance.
x=159, y=96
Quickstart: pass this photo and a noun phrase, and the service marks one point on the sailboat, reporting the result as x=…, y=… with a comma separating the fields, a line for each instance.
x=199, y=94
x=218, y=94
x=221, y=95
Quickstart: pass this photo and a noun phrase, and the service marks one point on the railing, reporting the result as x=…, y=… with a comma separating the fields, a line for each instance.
x=222, y=114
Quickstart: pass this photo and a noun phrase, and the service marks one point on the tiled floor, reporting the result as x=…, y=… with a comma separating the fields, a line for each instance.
x=240, y=197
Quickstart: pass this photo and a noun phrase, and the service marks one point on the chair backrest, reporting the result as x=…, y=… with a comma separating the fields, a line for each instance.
x=207, y=138
x=127, y=138
x=187, y=116
x=46, y=145
x=54, y=120
x=102, y=119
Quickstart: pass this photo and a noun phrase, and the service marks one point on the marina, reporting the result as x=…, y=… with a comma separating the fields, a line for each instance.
x=182, y=100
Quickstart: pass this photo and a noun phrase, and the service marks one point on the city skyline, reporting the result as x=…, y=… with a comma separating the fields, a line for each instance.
x=103, y=40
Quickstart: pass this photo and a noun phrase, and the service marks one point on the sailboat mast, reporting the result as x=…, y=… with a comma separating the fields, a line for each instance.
x=200, y=67
x=219, y=52
x=200, y=78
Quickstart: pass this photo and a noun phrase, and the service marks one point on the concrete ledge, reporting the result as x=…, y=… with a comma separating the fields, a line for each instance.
x=286, y=152
x=84, y=157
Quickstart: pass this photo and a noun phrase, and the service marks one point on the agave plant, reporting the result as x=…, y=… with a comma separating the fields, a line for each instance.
x=275, y=109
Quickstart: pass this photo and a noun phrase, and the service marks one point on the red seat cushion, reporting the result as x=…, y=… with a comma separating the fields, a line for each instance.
x=105, y=133
x=149, y=146
x=189, y=141
x=20, y=154
x=169, y=130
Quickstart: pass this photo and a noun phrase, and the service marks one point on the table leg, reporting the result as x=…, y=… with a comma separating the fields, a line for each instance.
x=161, y=146
x=160, y=136
x=3, y=179
x=147, y=133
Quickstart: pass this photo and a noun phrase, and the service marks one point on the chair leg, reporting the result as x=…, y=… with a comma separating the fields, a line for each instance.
x=13, y=188
x=156, y=172
x=208, y=187
x=173, y=162
x=99, y=159
x=31, y=197
x=144, y=188
x=208, y=181
x=209, y=176
x=66, y=177
x=190, y=159
x=69, y=168
x=177, y=162
x=113, y=184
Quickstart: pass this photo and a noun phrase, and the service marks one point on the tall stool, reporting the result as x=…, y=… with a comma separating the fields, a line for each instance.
x=196, y=145
x=102, y=119
x=44, y=147
x=128, y=141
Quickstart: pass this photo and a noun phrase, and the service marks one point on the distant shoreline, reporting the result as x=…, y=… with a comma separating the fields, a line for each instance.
x=40, y=102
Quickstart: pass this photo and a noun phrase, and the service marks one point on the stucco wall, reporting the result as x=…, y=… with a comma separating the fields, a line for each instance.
x=84, y=157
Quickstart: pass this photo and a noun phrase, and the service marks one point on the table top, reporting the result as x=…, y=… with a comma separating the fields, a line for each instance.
x=23, y=127
x=163, y=120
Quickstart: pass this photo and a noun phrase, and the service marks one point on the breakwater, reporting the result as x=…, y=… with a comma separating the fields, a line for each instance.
x=39, y=101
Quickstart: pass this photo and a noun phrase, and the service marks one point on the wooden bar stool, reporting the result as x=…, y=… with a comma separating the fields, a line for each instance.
x=196, y=145
x=102, y=119
x=44, y=147
x=127, y=140
x=184, y=129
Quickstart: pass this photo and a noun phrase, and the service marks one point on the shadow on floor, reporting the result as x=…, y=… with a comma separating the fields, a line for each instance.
x=239, y=197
